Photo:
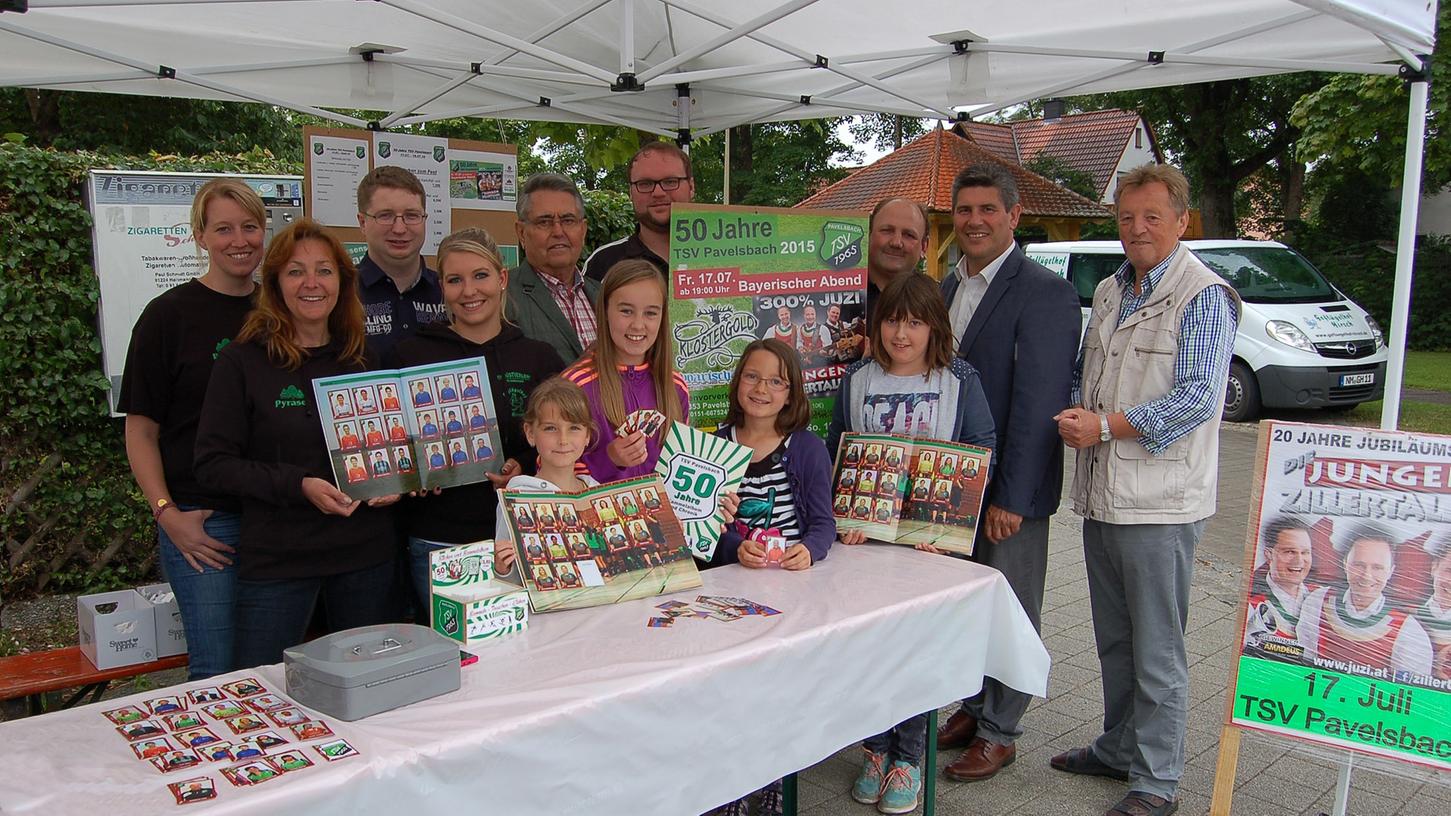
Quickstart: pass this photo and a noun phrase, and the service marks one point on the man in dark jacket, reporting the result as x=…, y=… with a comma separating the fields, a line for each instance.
x=1017, y=323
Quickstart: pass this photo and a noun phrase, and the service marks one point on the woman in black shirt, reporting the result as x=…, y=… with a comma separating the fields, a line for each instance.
x=260, y=440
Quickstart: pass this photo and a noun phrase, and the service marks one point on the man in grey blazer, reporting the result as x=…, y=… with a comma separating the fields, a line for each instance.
x=1017, y=323
x=549, y=298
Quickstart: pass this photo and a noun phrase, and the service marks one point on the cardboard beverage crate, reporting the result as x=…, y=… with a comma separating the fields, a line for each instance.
x=170, y=636
x=121, y=637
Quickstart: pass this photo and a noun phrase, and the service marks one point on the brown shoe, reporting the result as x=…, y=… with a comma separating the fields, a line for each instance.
x=982, y=760
x=958, y=731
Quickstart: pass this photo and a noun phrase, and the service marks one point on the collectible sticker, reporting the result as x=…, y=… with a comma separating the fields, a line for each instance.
x=175, y=761
x=335, y=750
x=246, y=723
x=287, y=716
x=243, y=688
x=250, y=773
x=189, y=791
x=207, y=694
x=196, y=737
x=217, y=752
x=141, y=730
x=311, y=730
x=224, y=710
x=147, y=749
x=125, y=715
x=292, y=760
x=164, y=705
x=183, y=720
x=268, y=702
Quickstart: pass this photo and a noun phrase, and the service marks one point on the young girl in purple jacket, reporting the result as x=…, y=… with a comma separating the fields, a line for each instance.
x=628, y=369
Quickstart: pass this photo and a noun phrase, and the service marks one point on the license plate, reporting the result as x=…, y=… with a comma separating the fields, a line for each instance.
x=1358, y=379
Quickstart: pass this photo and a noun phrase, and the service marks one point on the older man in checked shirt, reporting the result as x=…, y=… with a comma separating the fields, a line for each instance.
x=1149, y=387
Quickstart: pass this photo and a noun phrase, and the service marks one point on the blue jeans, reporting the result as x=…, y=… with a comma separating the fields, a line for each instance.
x=418, y=550
x=273, y=615
x=204, y=598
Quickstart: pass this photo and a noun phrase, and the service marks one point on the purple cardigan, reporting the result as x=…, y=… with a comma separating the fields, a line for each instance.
x=805, y=461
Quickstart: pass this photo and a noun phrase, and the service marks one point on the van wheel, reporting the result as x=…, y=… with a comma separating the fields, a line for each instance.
x=1242, y=395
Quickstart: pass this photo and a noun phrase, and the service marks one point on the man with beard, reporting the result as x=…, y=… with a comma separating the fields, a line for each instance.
x=659, y=177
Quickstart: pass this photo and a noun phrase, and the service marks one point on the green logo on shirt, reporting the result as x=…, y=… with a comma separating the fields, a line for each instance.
x=291, y=397
x=516, y=401
x=221, y=344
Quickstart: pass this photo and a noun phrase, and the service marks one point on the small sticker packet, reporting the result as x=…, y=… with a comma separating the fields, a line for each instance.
x=175, y=761
x=191, y=791
x=310, y=730
x=289, y=761
x=250, y=773
x=124, y=715
x=335, y=750
x=646, y=421
x=243, y=688
x=141, y=730
x=183, y=720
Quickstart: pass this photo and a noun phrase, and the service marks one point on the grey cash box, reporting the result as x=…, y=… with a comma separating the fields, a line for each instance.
x=361, y=672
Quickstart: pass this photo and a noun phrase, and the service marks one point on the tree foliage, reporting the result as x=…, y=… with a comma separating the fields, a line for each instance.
x=73, y=519
x=1356, y=123
x=886, y=131
x=1220, y=133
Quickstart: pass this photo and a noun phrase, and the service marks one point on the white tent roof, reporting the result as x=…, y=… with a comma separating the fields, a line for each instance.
x=744, y=61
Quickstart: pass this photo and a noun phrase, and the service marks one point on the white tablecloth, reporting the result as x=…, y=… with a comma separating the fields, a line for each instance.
x=589, y=711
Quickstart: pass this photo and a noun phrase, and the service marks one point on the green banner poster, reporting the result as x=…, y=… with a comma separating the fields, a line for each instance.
x=743, y=273
x=1346, y=620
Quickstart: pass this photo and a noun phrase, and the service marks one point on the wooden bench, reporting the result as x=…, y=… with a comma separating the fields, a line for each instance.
x=34, y=675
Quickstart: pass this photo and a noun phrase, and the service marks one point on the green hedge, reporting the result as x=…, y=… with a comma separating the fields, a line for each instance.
x=1367, y=273
x=82, y=524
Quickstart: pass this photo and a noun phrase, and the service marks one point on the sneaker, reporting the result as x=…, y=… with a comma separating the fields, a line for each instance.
x=868, y=787
x=901, y=789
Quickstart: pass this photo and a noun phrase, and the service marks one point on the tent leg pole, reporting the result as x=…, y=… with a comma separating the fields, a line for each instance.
x=726, y=168
x=1405, y=256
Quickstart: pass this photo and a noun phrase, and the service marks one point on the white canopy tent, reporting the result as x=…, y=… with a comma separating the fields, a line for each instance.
x=684, y=68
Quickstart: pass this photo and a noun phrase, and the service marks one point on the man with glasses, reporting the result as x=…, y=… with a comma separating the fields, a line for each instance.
x=549, y=299
x=398, y=290
x=659, y=177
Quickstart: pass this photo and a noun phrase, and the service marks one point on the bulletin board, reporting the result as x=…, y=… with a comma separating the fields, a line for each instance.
x=468, y=183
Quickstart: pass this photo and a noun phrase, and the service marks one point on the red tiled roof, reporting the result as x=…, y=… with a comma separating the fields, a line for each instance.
x=1092, y=142
x=923, y=169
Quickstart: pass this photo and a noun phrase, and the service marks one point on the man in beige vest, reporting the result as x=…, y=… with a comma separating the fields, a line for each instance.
x=1149, y=387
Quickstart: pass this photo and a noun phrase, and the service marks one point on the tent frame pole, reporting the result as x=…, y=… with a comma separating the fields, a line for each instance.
x=1405, y=251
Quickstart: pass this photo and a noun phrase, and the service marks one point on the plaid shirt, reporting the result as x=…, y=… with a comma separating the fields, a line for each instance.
x=575, y=304
x=1201, y=366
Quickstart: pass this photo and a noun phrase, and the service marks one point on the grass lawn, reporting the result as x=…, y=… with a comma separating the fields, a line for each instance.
x=1425, y=417
x=1427, y=369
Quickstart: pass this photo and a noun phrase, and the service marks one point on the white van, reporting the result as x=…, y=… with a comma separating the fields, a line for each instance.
x=1301, y=342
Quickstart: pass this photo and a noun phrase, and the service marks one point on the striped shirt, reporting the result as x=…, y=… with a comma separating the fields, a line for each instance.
x=766, y=500
x=1201, y=366
x=575, y=304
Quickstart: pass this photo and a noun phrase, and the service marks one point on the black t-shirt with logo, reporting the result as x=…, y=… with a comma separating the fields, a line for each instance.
x=173, y=346
x=390, y=315
x=258, y=437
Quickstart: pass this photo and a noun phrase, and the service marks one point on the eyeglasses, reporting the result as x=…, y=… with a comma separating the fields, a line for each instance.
x=412, y=218
x=669, y=185
x=750, y=378
x=544, y=223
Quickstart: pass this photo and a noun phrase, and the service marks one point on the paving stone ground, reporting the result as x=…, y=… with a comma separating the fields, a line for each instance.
x=1276, y=776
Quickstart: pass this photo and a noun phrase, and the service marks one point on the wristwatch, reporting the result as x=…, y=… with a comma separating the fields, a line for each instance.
x=1104, y=434
x=161, y=506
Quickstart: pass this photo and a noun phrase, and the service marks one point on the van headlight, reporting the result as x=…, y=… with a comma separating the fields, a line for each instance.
x=1289, y=334
x=1380, y=337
